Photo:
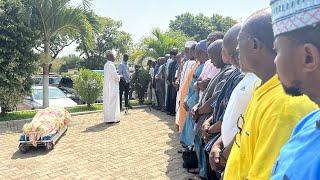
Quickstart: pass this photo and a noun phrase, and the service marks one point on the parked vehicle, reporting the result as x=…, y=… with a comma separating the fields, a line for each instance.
x=66, y=85
x=56, y=98
x=54, y=80
x=66, y=82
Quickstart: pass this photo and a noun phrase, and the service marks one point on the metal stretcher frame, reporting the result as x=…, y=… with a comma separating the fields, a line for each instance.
x=49, y=144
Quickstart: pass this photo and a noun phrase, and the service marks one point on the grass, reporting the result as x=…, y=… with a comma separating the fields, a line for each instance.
x=84, y=108
x=18, y=115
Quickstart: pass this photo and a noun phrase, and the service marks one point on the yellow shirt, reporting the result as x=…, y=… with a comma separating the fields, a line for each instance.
x=268, y=122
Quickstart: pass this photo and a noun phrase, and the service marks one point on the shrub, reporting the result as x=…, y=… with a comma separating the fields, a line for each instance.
x=89, y=85
x=17, y=59
x=140, y=81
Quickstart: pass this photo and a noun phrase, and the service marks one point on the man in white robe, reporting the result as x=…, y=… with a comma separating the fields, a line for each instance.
x=111, y=99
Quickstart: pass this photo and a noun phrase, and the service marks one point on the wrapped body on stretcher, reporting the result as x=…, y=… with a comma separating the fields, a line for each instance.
x=45, y=123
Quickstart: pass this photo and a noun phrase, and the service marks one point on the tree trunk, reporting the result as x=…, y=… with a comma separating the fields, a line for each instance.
x=45, y=85
x=46, y=76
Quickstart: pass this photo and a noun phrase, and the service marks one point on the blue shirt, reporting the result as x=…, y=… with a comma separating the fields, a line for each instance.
x=124, y=71
x=193, y=95
x=300, y=157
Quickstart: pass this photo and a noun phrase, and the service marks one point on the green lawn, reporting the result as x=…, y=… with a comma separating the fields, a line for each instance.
x=16, y=115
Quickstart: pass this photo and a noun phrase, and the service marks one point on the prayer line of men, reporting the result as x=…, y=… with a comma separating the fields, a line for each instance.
x=245, y=110
x=234, y=109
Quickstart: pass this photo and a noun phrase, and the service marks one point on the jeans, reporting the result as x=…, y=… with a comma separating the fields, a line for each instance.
x=202, y=158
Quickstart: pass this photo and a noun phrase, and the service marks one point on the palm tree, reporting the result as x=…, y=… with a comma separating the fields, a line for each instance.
x=163, y=42
x=54, y=17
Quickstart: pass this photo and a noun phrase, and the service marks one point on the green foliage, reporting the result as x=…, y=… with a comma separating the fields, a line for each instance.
x=66, y=63
x=84, y=108
x=200, y=26
x=59, y=23
x=89, y=85
x=17, y=59
x=63, y=69
x=162, y=43
x=56, y=19
x=17, y=115
x=159, y=44
x=107, y=36
x=222, y=23
x=140, y=81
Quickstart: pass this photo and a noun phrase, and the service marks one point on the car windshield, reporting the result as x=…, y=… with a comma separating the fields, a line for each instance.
x=52, y=80
x=54, y=93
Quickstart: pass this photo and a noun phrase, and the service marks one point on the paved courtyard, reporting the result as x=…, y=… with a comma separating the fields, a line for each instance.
x=143, y=146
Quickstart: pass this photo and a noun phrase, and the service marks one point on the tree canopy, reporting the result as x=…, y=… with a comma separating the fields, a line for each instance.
x=108, y=36
x=159, y=43
x=199, y=26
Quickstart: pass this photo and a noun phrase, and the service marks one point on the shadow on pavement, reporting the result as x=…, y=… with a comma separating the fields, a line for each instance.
x=174, y=167
x=99, y=127
x=33, y=152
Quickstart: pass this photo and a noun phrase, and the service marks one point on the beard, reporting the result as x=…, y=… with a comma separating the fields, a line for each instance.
x=292, y=91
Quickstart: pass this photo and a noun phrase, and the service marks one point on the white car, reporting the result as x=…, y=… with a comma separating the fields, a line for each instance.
x=54, y=80
x=56, y=98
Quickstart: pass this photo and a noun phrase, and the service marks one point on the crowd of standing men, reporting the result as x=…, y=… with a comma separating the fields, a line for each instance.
x=241, y=99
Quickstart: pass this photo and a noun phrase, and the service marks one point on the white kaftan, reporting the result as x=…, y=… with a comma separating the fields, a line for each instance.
x=111, y=99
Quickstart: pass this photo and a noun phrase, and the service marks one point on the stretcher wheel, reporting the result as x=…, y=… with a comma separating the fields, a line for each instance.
x=49, y=146
x=23, y=148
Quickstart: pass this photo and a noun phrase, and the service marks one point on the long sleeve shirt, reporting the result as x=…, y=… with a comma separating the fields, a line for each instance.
x=124, y=71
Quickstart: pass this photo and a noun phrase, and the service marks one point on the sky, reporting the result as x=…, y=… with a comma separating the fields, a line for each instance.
x=139, y=17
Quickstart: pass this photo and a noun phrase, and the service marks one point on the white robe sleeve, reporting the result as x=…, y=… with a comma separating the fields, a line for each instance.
x=114, y=74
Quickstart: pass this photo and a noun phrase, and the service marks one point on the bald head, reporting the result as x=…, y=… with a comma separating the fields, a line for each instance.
x=259, y=25
x=230, y=40
x=214, y=53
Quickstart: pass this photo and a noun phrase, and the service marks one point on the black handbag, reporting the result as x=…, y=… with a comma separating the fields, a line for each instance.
x=190, y=160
